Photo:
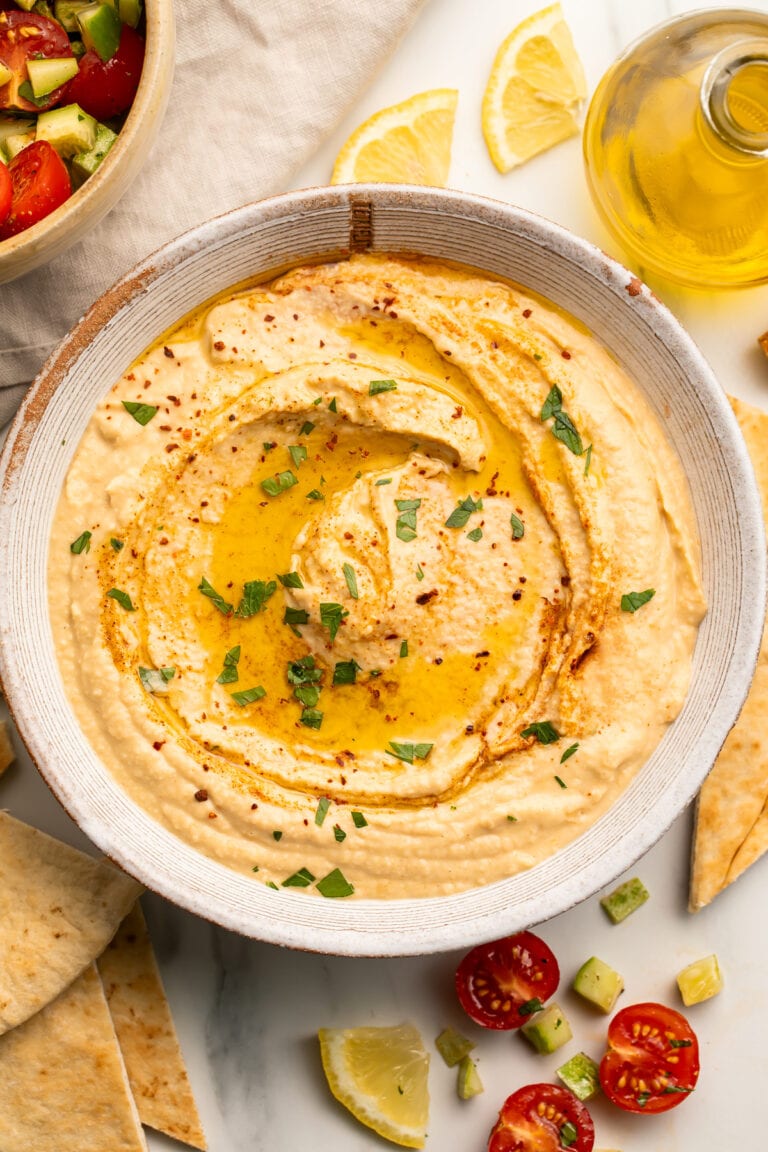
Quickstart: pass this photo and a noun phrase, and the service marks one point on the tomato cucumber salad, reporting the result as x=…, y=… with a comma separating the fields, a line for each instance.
x=69, y=70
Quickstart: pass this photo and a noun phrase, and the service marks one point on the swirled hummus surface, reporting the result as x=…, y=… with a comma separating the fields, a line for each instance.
x=380, y=578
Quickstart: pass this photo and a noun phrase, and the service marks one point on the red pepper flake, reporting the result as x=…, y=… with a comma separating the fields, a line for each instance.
x=393, y=315
x=163, y=540
x=526, y=312
x=219, y=345
x=268, y=318
x=174, y=399
x=322, y=343
x=171, y=447
x=494, y=344
x=457, y=413
x=201, y=795
x=295, y=315
x=565, y=354
x=352, y=355
x=158, y=745
x=254, y=807
x=212, y=815
x=517, y=595
x=168, y=352
x=425, y=597
x=166, y=427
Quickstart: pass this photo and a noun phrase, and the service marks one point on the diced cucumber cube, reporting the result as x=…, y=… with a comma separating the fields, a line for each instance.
x=49, y=73
x=15, y=144
x=700, y=980
x=452, y=1046
x=468, y=1083
x=581, y=1076
x=27, y=5
x=68, y=129
x=43, y=8
x=548, y=1030
x=66, y=12
x=15, y=126
x=598, y=983
x=84, y=164
x=130, y=12
x=100, y=27
x=625, y=900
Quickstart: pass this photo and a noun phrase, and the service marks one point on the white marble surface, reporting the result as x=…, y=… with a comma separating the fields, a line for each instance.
x=248, y=1013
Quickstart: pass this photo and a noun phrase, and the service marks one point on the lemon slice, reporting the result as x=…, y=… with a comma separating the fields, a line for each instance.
x=534, y=91
x=408, y=143
x=380, y=1075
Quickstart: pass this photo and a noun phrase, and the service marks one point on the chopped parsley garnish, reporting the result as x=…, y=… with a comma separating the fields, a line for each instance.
x=255, y=596
x=518, y=528
x=512, y=819
x=475, y=535
x=307, y=694
x=339, y=834
x=315, y=494
x=406, y=521
x=331, y=616
x=588, y=459
x=530, y=1006
x=569, y=1134
x=277, y=835
x=268, y=445
x=563, y=428
x=403, y=649
x=218, y=601
x=298, y=455
x=228, y=674
x=118, y=545
x=271, y=884
x=323, y=805
x=643, y=1099
x=335, y=884
x=291, y=580
x=419, y=572
x=278, y=483
x=156, y=679
x=304, y=671
x=294, y=616
x=332, y=406
x=568, y=753
x=544, y=731
x=142, y=413
x=409, y=752
x=670, y=1088
x=306, y=428
x=318, y=401
x=384, y=480
x=122, y=598
x=248, y=696
x=255, y=868
x=552, y=404
x=673, y=1043
x=462, y=512
x=345, y=672
x=562, y=783
x=359, y=820
x=301, y=879
x=311, y=718
x=82, y=544
x=351, y=579
x=377, y=386
x=634, y=600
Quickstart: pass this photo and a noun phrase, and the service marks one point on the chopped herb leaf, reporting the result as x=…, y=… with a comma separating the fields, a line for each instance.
x=318, y=401
x=530, y=1006
x=118, y=545
x=518, y=528
x=82, y=544
x=311, y=718
x=377, y=386
x=553, y=403
x=544, y=731
x=403, y=649
x=307, y=694
x=323, y=805
x=512, y=819
x=384, y=480
x=315, y=495
x=298, y=454
x=306, y=428
x=409, y=752
x=345, y=672
x=564, y=430
x=278, y=483
x=156, y=679
x=462, y=512
x=562, y=783
x=569, y=1134
x=475, y=535
x=122, y=598
x=332, y=406
x=339, y=834
x=268, y=445
x=351, y=579
x=291, y=580
x=248, y=696
x=301, y=879
x=419, y=572
x=568, y=753
x=255, y=868
x=643, y=1099
x=670, y=1088
x=142, y=413
x=271, y=884
x=331, y=616
x=277, y=835
x=673, y=1043
x=634, y=600
x=588, y=461
x=405, y=527
x=304, y=671
x=334, y=885
x=255, y=596
x=218, y=601
x=359, y=820
x=407, y=505
x=228, y=674
x=294, y=616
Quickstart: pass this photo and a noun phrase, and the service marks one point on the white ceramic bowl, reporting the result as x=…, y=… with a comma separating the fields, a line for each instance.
x=77, y=215
x=326, y=224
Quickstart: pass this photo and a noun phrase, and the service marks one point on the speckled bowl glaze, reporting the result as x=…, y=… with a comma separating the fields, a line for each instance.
x=77, y=215
x=326, y=224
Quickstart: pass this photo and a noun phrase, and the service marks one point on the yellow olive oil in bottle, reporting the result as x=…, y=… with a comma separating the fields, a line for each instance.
x=676, y=149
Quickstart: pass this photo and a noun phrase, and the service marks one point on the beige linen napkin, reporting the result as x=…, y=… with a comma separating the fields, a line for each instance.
x=257, y=87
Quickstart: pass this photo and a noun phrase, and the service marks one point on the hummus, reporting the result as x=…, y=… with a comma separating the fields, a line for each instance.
x=381, y=577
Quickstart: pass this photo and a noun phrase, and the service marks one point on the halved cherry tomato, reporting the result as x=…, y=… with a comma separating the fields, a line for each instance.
x=40, y=183
x=652, y=1062
x=502, y=983
x=542, y=1118
x=6, y=191
x=24, y=36
x=107, y=88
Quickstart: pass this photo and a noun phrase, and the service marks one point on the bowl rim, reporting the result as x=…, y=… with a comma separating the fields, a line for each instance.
x=377, y=927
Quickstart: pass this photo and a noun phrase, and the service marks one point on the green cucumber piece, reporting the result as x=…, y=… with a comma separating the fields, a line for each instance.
x=5, y=73
x=68, y=129
x=548, y=1030
x=67, y=11
x=581, y=1076
x=700, y=980
x=468, y=1082
x=625, y=899
x=43, y=8
x=452, y=1046
x=100, y=27
x=12, y=145
x=15, y=126
x=84, y=164
x=598, y=983
x=50, y=72
x=27, y=5
x=130, y=12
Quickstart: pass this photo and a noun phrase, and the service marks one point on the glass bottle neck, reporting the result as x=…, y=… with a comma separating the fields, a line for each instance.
x=734, y=96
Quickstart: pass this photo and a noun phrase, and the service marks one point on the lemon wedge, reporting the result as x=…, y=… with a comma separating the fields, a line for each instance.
x=380, y=1075
x=535, y=90
x=408, y=143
